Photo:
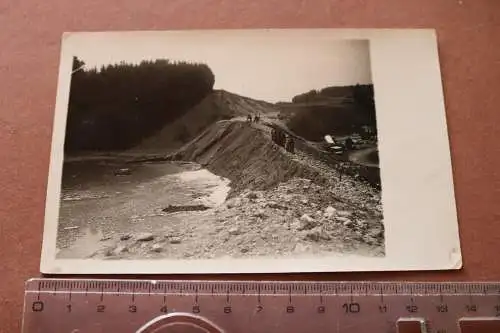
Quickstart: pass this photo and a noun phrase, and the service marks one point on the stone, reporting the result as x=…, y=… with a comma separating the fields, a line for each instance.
x=275, y=205
x=125, y=237
x=252, y=195
x=234, y=231
x=343, y=213
x=157, y=248
x=120, y=249
x=105, y=238
x=233, y=203
x=123, y=172
x=347, y=223
x=244, y=250
x=175, y=240
x=342, y=219
x=306, y=218
x=260, y=213
x=300, y=248
x=306, y=222
x=330, y=211
x=317, y=234
x=145, y=237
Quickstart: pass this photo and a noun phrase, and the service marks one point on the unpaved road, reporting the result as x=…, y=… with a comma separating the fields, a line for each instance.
x=362, y=157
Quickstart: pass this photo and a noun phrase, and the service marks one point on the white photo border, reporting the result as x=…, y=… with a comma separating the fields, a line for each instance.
x=419, y=209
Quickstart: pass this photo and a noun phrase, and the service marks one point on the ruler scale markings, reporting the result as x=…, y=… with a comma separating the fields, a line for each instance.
x=390, y=294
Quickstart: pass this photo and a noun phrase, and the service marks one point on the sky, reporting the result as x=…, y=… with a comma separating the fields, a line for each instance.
x=270, y=68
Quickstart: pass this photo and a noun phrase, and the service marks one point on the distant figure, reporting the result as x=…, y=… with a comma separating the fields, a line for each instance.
x=274, y=135
x=290, y=144
x=257, y=118
x=281, y=138
x=348, y=144
x=249, y=118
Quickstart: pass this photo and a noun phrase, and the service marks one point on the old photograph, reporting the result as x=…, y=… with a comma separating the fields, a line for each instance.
x=218, y=148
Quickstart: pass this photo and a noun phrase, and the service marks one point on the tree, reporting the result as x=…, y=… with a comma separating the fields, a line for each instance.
x=117, y=106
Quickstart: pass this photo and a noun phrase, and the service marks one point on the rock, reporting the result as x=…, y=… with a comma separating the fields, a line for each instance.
x=157, y=248
x=71, y=228
x=342, y=219
x=120, y=249
x=145, y=237
x=125, y=237
x=343, y=213
x=306, y=222
x=316, y=235
x=347, y=223
x=260, y=213
x=301, y=248
x=123, y=172
x=244, y=250
x=295, y=225
x=306, y=218
x=330, y=211
x=275, y=205
x=252, y=196
x=304, y=201
x=233, y=203
x=234, y=231
x=175, y=240
x=105, y=238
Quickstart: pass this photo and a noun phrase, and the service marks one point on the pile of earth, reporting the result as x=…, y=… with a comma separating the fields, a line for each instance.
x=296, y=217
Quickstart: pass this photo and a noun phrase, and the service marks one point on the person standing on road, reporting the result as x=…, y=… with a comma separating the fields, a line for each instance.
x=289, y=145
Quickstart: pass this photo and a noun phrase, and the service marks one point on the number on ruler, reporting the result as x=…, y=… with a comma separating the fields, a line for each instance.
x=471, y=308
x=351, y=307
x=442, y=308
x=101, y=308
x=196, y=309
x=164, y=309
x=37, y=306
x=412, y=308
x=382, y=308
x=321, y=309
x=132, y=308
x=227, y=309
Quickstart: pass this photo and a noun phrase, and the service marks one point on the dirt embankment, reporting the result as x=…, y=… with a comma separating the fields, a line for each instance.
x=244, y=153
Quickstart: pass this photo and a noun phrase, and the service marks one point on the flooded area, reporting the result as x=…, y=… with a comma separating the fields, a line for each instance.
x=99, y=203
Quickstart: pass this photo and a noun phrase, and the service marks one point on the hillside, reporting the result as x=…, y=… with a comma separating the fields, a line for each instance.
x=337, y=111
x=218, y=105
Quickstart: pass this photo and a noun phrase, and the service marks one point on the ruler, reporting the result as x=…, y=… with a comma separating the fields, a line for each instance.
x=168, y=306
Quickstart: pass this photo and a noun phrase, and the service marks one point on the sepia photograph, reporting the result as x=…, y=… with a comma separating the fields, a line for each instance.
x=210, y=148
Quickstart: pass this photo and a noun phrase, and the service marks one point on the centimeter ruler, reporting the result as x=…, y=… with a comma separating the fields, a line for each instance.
x=176, y=306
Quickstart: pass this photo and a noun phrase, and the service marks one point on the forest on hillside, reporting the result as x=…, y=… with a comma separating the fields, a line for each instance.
x=334, y=110
x=116, y=106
